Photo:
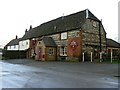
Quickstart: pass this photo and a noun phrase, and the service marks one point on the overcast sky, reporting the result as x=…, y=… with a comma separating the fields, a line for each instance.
x=18, y=15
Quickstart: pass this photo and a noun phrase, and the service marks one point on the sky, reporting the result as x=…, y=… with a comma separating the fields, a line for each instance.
x=17, y=15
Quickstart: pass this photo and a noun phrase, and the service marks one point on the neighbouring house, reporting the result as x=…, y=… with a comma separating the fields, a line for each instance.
x=65, y=37
x=113, y=48
x=13, y=44
x=11, y=50
x=28, y=42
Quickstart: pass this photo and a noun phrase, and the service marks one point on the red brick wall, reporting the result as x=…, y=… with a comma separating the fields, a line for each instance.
x=32, y=43
x=74, y=47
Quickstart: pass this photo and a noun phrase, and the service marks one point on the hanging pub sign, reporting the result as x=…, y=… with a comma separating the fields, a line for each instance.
x=73, y=44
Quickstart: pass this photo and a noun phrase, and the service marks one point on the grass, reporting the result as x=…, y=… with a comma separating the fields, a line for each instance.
x=113, y=61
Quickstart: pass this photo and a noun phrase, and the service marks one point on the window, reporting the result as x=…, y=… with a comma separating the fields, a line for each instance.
x=51, y=51
x=94, y=24
x=26, y=43
x=22, y=43
x=63, y=51
x=39, y=43
x=64, y=35
x=14, y=46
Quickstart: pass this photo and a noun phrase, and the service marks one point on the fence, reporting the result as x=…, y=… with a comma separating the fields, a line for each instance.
x=102, y=57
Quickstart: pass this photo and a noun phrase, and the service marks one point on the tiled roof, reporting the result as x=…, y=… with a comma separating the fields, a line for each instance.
x=61, y=24
x=48, y=41
x=92, y=16
x=29, y=34
x=112, y=43
x=14, y=42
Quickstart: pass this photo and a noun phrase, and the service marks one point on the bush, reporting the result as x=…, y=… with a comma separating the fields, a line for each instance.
x=72, y=60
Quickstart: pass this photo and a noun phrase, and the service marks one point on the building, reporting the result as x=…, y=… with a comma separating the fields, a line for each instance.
x=0, y=53
x=113, y=48
x=66, y=37
x=11, y=50
x=13, y=45
x=118, y=22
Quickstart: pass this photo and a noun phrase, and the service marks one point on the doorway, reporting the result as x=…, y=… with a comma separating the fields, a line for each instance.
x=40, y=54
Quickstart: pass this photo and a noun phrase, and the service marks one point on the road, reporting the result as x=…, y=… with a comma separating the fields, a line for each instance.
x=36, y=74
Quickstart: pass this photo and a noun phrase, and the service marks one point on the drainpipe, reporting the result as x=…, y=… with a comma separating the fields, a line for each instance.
x=56, y=53
x=100, y=39
x=100, y=34
x=83, y=57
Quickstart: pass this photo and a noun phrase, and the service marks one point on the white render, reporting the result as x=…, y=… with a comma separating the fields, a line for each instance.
x=13, y=47
x=24, y=45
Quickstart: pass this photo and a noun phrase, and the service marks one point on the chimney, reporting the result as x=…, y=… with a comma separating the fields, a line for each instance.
x=101, y=20
x=25, y=30
x=16, y=37
x=87, y=13
x=30, y=26
x=63, y=16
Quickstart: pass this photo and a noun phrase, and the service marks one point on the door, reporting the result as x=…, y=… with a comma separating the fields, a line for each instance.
x=40, y=54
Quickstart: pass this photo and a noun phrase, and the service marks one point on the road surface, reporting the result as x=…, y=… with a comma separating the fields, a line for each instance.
x=35, y=74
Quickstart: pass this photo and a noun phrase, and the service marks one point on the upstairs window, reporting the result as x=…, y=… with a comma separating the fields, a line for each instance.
x=14, y=46
x=22, y=43
x=26, y=43
x=94, y=24
x=9, y=47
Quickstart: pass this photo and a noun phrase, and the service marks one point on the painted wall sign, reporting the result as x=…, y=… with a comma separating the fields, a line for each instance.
x=73, y=44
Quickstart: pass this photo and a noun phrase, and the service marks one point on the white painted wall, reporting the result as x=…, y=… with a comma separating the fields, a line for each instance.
x=13, y=47
x=23, y=45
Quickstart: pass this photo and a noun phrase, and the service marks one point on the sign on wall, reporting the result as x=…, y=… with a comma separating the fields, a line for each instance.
x=73, y=44
x=64, y=35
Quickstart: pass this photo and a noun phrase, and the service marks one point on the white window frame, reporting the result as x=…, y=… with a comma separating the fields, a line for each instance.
x=63, y=51
x=50, y=51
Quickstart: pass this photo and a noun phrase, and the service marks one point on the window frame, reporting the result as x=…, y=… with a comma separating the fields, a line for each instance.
x=63, y=51
x=50, y=51
x=14, y=46
x=94, y=24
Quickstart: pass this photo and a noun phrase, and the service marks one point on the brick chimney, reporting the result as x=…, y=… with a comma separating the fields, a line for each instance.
x=30, y=27
x=25, y=30
x=16, y=37
x=87, y=13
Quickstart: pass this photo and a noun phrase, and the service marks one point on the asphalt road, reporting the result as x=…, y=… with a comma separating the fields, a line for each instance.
x=35, y=74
